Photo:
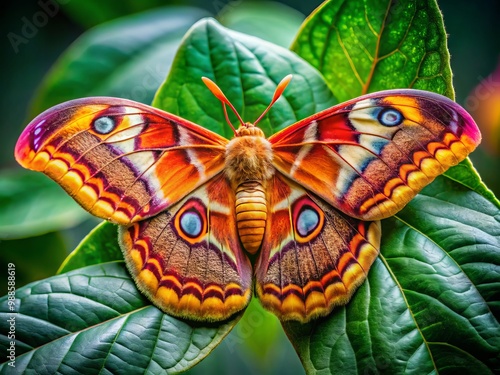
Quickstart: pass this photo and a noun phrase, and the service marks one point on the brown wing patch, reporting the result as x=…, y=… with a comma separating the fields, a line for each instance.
x=187, y=260
x=313, y=257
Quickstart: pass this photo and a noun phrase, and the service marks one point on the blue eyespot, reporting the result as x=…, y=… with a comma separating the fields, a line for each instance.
x=104, y=125
x=390, y=117
x=307, y=221
x=191, y=224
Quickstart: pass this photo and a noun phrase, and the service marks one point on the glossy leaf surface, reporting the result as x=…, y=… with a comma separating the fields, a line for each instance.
x=367, y=46
x=247, y=69
x=94, y=319
x=99, y=246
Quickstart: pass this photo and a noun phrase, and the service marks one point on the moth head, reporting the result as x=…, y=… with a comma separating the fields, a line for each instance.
x=245, y=128
x=249, y=129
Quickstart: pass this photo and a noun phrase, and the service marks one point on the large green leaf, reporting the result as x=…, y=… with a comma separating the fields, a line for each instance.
x=365, y=46
x=128, y=58
x=31, y=204
x=101, y=246
x=431, y=301
x=94, y=319
x=247, y=69
x=257, y=335
x=459, y=234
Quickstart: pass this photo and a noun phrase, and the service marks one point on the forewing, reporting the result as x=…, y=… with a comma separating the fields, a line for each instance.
x=188, y=259
x=313, y=257
x=370, y=156
x=121, y=160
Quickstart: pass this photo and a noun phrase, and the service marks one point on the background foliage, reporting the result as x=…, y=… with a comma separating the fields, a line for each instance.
x=257, y=342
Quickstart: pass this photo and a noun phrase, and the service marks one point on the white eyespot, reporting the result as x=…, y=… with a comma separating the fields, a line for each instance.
x=307, y=221
x=104, y=125
x=390, y=117
x=191, y=224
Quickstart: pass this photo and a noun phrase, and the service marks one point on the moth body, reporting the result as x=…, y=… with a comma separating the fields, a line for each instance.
x=251, y=214
x=248, y=167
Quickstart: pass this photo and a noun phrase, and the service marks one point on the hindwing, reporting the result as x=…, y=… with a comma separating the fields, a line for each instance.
x=313, y=256
x=188, y=260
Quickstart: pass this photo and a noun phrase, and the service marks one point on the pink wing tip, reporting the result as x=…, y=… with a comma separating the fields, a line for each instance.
x=23, y=149
x=29, y=141
x=459, y=121
x=469, y=126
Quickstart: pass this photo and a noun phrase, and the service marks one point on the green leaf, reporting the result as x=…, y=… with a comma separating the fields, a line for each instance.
x=467, y=175
x=247, y=69
x=463, y=229
x=258, y=335
x=99, y=246
x=32, y=204
x=366, y=46
x=127, y=58
x=275, y=22
x=94, y=319
x=373, y=333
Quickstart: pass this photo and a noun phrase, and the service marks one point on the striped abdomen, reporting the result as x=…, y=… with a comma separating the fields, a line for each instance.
x=251, y=214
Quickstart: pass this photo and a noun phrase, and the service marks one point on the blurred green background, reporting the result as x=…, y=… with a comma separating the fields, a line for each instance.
x=29, y=54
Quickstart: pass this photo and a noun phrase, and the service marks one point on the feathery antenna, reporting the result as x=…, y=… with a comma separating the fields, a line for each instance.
x=220, y=95
x=212, y=86
x=277, y=93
